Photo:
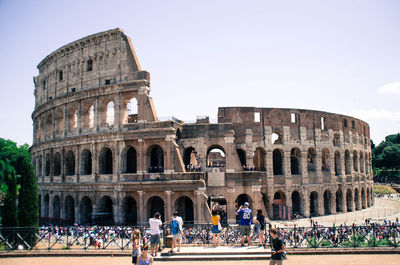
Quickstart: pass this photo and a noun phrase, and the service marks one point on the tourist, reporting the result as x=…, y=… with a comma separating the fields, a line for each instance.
x=135, y=245
x=278, y=247
x=216, y=228
x=144, y=258
x=245, y=221
x=155, y=231
x=260, y=222
x=176, y=231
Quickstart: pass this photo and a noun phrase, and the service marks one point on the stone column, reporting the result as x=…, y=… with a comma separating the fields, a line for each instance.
x=53, y=123
x=230, y=152
x=199, y=204
x=77, y=163
x=79, y=117
x=65, y=118
x=141, y=158
x=306, y=204
x=141, y=218
x=286, y=168
x=318, y=166
x=117, y=110
x=304, y=169
x=168, y=161
x=231, y=206
x=333, y=203
x=77, y=210
x=169, y=205
x=321, y=208
x=97, y=110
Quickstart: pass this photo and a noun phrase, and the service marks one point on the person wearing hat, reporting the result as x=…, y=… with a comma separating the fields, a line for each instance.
x=245, y=221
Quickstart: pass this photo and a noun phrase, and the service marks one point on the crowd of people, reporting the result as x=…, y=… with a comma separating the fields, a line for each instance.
x=193, y=168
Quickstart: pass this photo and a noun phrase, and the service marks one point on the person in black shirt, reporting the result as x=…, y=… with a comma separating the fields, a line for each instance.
x=278, y=248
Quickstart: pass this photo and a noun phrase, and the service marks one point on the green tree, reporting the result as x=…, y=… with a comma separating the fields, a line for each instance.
x=387, y=153
x=9, y=209
x=28, y=196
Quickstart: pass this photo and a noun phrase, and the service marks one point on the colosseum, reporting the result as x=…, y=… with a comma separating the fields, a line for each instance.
x=102, y=156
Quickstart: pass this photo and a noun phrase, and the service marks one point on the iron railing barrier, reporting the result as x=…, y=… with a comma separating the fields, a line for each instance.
x=119, y=237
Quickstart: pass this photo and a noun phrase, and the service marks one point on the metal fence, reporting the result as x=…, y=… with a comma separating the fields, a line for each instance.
x=119, y=238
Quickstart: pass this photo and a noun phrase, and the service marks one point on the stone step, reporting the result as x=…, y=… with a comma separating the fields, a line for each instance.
x=210, y=257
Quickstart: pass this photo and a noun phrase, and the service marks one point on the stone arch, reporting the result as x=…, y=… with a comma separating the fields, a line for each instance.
x=69, y=210
x=259, y=159
x=129, y=211
x=105, y=213
x=46, y=206
x=347, y=162
x=72, y=118
x=87, y=116
x=277, y=156
x=327, y=202
x=366, y=162
x=325, y=160
x=70, y=163
x=296, y=203
x=56, y=209
x=240, y=200
x=349, y=200
x=130, y=110
x=59, y=120
x=361, y=162
x=47, y=165
x=357, y=199
x=85, y=211
x=216, y=156
x=279, y=205
x=242, y=157
x=363, y=200
x=110, y=113
x=311, y=159
x=86, y=162
x=355, y=161
x=184, y=207
x=339, y=201
x=295, y=161
x=49, y=125
x=336, y=140
x=155, y=204
x=105, y=161
x=129, y=159
x=57, y=164
x=314, y=203
x=156, y=155
x=277, y=137
x=189, y=158
x=338, y=164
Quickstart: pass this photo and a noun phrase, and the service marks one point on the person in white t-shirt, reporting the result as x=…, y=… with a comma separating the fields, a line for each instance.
x=155, y=225
x=176, y=231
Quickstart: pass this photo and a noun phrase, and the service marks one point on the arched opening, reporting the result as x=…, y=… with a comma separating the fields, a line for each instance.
x=259, y=159
x=216, y=156
x=295, y=155
x=190, y=159
x=156, y=159
x=327, y=202
x=155, y=205
x=361, y=162
x=368, y=198
x=314, y=204
x=104, y=215
x=110, y=114
x=184, y=206
x=129, y=160
x=70, y=163
x=339, y=201
x=338, y=167
x=345, y=123
x=336, y=140
x=276, y=137
x=46, y=206
x=57, y=164
x=72, y=118
x=279, y=209
x=349, y=200
x=277, y=162
x=106, y=161
x=69, y=211
x=242, y=157
x=240, y=200
x=47, y=165
x=86, y=162
x=366, y=163
x=49, y=125
x=325, y=160
x=296, y=210
x=129, y=212
x=311, y=160
x=355, y=161
x=59, y=118
x=363, y=201
x=85, y=211
x=357, y=199
x=39, y=171
x=131, y=113
x=219, y=204
x=347, y=162
x=91, y=117
x=56, y=210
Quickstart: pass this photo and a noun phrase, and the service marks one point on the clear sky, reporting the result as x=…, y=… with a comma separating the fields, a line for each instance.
x=337, y=56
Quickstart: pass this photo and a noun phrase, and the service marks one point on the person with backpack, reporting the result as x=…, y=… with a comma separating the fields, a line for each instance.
x=176, y=231
x=278, y=248
x=259, y=225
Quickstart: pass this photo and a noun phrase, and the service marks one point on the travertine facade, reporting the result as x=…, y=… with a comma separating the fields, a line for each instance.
x=101, y=154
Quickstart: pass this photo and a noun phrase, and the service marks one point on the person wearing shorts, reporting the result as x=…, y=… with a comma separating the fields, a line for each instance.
x=215, y=219
x=245, y=221
x=176, y=231
x=155, y=225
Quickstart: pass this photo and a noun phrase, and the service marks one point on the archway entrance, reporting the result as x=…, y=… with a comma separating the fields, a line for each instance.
x=129, y=213
x=296, y=211
x=69, y=211
x=349, y=200
x=85, y=211
x=156, y=160
x=155, y=204
x=339, y=201
x=327, y=202
x=184, y=207
x=279, y=206
x=314, y=203
x=56, y=210
x=104, y=216
x=240, y=200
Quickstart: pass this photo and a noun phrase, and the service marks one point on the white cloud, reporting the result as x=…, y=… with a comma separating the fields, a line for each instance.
x=377, y=114
x=392, y=88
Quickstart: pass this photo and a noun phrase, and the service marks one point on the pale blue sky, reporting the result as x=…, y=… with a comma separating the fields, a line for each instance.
x=334, y=56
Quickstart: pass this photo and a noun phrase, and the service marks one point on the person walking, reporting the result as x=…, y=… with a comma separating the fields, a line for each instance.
x=144, y=258
x=155, y=231
x=260, y=220
x=245, y=221
x=176, y=231
x=278, y=247
x=216, y=228
x=135, y=245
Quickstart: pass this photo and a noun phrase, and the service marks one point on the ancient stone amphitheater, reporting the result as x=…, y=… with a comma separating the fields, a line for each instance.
x=102, y=156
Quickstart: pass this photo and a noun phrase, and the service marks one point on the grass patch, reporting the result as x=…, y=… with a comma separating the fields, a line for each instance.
x=381, y=189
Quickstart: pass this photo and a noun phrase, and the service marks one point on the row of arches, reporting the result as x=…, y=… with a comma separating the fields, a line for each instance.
x=86, y=116
x=104, y=214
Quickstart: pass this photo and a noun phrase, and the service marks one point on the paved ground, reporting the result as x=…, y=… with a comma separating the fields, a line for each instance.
x=295, y=260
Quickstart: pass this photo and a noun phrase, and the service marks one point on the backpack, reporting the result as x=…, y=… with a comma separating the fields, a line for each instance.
x=174, y=227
